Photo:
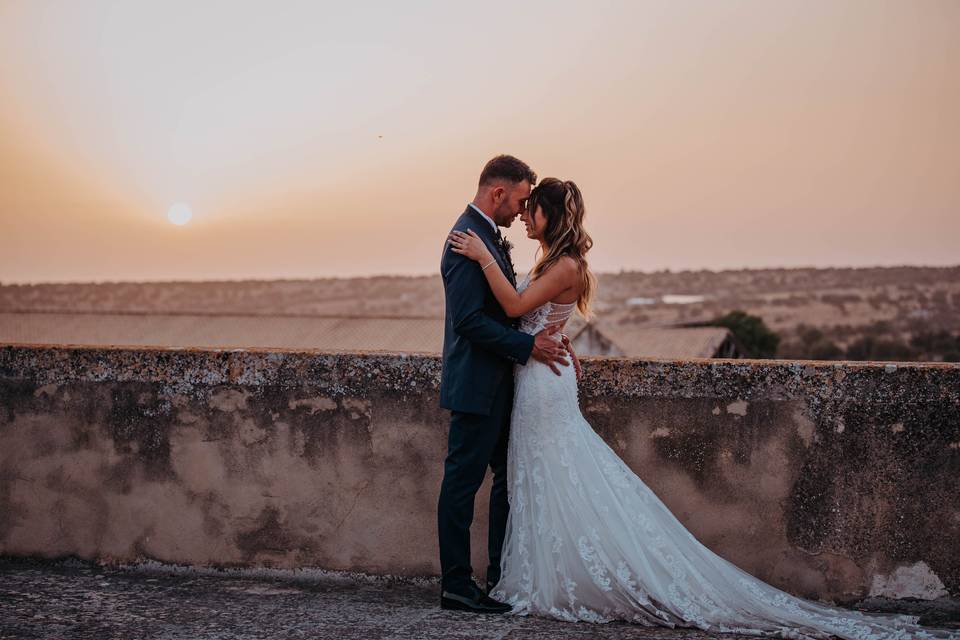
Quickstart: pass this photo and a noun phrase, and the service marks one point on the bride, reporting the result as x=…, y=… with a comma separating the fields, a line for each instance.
x=586, y=539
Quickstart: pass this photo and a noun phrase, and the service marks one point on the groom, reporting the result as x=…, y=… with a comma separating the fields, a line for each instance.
x=480, y=347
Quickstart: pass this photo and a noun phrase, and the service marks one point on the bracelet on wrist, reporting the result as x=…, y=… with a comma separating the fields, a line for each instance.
x=484, y=267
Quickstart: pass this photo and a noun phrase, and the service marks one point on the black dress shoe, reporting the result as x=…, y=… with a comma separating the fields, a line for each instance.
x=476, y=602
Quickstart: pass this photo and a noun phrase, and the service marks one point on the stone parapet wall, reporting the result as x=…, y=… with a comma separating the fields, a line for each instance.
x=831, y=480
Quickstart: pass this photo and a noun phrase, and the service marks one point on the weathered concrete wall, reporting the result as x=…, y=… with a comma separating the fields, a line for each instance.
x=829, y=480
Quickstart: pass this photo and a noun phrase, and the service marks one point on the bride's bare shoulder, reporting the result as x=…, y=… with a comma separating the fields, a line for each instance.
x=566, y=267
x=563, y=266
x=565, y=272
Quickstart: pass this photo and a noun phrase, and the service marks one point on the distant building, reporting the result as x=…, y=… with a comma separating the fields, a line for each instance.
x=667, y=298
x=599, y=338
x=670, y=298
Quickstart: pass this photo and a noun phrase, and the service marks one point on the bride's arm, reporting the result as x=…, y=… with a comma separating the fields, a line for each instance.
x=549, y=285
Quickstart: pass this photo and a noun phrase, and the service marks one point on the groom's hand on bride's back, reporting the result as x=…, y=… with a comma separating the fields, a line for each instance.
x=549, y=350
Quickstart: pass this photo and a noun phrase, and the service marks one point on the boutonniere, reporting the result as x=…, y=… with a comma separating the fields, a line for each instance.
x=507, y=245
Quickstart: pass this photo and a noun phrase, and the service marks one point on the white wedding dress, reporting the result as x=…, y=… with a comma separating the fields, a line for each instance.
x=588, y=540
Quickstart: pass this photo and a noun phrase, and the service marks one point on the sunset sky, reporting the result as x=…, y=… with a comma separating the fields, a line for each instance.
x=315, y=139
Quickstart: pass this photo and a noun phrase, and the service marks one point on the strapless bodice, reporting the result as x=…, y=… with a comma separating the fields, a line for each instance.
x=547, y=314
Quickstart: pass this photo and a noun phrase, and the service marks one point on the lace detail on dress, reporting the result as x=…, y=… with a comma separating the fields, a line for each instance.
x=588, y=540
x=545, y=315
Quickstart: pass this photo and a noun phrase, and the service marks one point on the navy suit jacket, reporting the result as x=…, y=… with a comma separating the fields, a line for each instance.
x=480, y=343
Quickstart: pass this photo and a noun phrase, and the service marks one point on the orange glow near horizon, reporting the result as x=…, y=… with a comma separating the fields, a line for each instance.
x=314, y=140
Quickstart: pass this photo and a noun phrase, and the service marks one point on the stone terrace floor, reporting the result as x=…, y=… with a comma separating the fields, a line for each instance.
x=70, y=599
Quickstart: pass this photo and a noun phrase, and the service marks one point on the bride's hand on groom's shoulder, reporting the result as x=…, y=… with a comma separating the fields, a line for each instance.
x=549, y=350
x=470, y=245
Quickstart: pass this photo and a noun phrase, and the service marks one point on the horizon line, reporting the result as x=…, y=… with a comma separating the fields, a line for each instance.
x=4, y=283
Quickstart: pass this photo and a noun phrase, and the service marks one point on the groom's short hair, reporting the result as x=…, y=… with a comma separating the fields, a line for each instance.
x=505, y=167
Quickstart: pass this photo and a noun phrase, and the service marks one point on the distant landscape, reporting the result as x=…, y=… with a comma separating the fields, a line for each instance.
x=884, y=313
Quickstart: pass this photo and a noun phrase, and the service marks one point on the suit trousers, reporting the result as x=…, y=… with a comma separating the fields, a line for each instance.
x=475, y=442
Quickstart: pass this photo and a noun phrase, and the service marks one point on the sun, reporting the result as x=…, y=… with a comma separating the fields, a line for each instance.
x=179, y=213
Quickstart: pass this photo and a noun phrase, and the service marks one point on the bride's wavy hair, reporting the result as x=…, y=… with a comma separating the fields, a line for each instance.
x=562, y=205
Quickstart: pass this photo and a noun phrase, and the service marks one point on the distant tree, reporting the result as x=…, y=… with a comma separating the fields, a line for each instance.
x=840, y=298
x=825, y=350
x=879, y=299
x=842, y=331
x=870, y=347
x=751, y=333
x=811, y=343
x=878, y=328
x=932, y=341
x=791, y=350
x=937, y=345
x=809, y=335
